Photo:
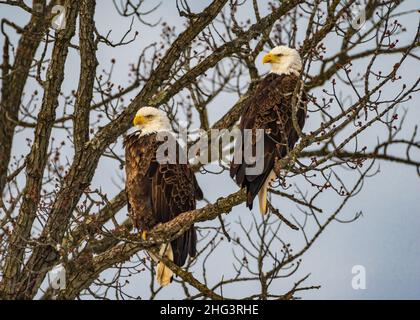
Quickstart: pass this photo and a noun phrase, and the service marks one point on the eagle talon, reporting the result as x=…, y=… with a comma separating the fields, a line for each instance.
x=144, y=235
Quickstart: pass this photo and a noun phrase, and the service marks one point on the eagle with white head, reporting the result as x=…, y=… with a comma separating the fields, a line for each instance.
x=158, y=192
x=270, y=108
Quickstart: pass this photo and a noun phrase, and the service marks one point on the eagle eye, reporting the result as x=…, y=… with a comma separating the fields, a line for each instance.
x=149, y=116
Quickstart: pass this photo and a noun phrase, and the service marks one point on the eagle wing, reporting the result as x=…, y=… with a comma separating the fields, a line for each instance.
x=139, y=154
x=270, y=108
x=175, y=190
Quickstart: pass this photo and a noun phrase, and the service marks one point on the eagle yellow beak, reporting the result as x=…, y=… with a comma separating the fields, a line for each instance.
x=268, y=58
x=139, y=120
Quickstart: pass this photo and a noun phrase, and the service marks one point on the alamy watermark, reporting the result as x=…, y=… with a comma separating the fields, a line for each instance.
x=57, y=277
x=245, y=146
x=58, y=21
x=355, y=18
x=358, y=282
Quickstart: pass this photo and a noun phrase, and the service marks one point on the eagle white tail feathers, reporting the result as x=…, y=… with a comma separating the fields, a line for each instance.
x=163, y=273
x=262, y=199
x=262, y=194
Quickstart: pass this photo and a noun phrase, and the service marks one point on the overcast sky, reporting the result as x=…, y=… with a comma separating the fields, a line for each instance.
x=385, y=240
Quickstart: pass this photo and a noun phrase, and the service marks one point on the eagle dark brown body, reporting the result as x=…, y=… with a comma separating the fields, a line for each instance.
x=270, y=108
x=157, y=193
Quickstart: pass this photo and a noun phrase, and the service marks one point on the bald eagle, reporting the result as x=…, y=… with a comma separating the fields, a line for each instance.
x=270, y=108
x=158, y=192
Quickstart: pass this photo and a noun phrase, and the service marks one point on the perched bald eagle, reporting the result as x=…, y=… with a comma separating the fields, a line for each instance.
x=158, y=192
x=270, y=108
